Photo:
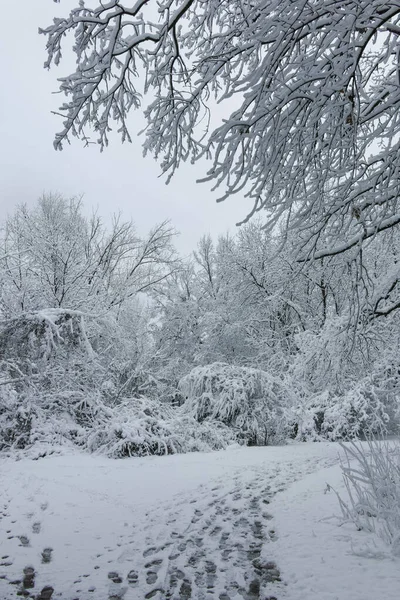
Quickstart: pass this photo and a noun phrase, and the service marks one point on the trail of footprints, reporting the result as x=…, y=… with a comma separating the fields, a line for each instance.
x=24, y=586
x=217, y=557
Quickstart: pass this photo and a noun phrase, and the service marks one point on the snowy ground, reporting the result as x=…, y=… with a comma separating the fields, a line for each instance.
x=245, y=523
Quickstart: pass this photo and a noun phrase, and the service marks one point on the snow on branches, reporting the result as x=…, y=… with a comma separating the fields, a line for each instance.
x=249, y=400
x=52, y=256
x=313, y=135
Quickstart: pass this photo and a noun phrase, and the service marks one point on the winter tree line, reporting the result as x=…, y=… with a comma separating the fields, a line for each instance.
x=112, y=342
x=288, y=329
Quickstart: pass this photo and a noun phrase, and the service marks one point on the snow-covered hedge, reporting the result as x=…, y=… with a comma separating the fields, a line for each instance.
x=133, y=427
x=139, y=427
x=250, y=401
x=57, y=389
x=362, y=410
x=346, y=386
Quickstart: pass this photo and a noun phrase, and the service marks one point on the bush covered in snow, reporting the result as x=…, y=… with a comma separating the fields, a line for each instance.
x=372, y=478
x=356, y=413
x=140, y=427
x=133, y=427
x=56, y=390
x=346, y=386
x=248, y=400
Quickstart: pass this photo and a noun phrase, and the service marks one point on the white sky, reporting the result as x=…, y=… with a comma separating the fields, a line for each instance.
x=119, y=179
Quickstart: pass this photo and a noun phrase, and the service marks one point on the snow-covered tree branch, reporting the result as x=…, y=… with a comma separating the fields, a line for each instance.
x=313, y=137
x=54, y=257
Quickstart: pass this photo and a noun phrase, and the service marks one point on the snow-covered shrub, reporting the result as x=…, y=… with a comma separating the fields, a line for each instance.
x=15, y=419
x=36, y=336
x=134, y=428
x=205, y=436
x=357, y=413
x=372, y=477
x=141, y=427
x=250, y=401
x=38, y=417
x=347, y=381
x=54, y=377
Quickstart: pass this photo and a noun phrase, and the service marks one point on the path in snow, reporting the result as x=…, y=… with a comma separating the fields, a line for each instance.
x=81, y=528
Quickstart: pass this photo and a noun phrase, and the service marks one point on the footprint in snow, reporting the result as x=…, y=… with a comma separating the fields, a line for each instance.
x=24, y=540
x=47, y=555
x=133, y=577
x=36, y=527
x=116, y=590
x=46, y=593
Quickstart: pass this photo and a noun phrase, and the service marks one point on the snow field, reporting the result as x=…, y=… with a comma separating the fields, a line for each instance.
x=323, y=559
x=227, y=525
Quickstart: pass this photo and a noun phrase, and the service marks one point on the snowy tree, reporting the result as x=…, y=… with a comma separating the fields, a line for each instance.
x=176, y=329
x=247, y=304
x=249, y=400
x=74, y=340
x=236, y=302
x=312, y=88
x=54, y=257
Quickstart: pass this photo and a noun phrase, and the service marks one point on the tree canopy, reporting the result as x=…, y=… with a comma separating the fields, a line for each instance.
x=313, y=135
x=111, y=342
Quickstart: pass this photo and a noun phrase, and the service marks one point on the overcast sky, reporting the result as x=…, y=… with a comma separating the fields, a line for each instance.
x=119, y=179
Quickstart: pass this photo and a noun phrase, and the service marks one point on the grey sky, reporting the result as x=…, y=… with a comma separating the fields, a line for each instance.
x=119, y=179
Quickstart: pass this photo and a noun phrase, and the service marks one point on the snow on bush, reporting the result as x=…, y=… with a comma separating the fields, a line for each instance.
x=56, y=390
x=39, y=335
x=372, y=478
x=15, y=420
x=134, y=427
x=141, y=427
x=346, y=387
x=35, y=417
x=357, y=413
x=250, y=401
